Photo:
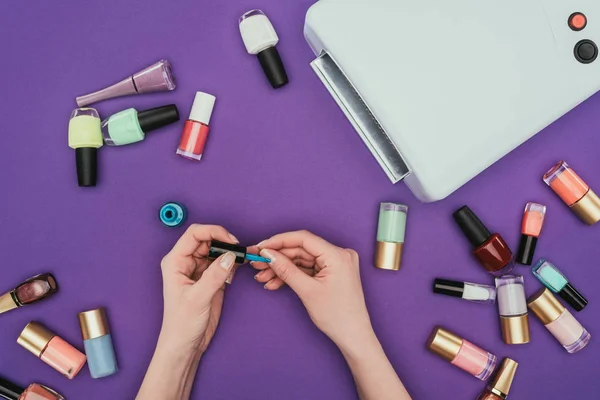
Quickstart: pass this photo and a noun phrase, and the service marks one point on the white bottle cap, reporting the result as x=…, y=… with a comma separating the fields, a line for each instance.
x=203, y=107
x=257, y=32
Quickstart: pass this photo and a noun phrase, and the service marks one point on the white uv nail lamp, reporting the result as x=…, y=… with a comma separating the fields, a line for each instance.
x=439, y=90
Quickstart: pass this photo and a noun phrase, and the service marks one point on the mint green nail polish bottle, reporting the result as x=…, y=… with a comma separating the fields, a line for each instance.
x=130, y=126
x=390, y=236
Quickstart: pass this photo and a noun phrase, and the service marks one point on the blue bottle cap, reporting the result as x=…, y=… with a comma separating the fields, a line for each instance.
x=172, y=214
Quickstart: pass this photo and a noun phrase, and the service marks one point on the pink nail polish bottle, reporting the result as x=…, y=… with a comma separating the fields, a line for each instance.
x=462, y=353
x=51, y=349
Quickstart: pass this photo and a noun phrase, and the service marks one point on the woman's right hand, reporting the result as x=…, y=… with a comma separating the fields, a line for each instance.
x=327, y=280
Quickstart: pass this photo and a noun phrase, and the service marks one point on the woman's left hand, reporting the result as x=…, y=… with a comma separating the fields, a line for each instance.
x=194, y=288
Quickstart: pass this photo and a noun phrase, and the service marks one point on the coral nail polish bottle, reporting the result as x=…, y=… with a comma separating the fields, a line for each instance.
x=491, y=250
x=35, y=391
x=51, y=349
x=195, y=130
x=531, y=227
x=574, y=192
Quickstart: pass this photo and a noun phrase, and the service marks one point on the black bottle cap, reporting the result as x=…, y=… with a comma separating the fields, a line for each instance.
x=471, y=226
x=87, y=165
x=9, y=390
x=158, y=117
x=271, y=63
x=448, y=287
x=526, y=249
x=218, y=248
x=573, y=297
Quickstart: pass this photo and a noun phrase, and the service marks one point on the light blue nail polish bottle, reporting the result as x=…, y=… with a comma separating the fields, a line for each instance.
x=98, y=343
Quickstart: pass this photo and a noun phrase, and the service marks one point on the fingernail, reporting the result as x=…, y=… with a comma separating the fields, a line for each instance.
x=229, y=278
x=261, y=243
x=265, y=287
x=268, y=254
x=227, y=261
x=234, y=239
x=256, y=277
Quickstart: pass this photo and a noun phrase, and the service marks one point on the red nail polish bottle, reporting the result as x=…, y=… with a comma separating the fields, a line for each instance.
x=491, y=250
x=195, y=130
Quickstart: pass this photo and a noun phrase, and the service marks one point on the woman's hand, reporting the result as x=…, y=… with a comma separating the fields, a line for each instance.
x=193, y=287
x=327, y=280
x=193, y=290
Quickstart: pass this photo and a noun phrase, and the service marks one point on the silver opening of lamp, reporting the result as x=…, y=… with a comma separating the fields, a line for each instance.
x=361, y=116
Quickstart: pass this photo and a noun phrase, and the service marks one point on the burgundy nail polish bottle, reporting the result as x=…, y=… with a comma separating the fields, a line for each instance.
x=490, y=249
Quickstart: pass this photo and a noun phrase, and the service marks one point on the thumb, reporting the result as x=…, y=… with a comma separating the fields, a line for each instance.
x=288, y=272
x=214, y=277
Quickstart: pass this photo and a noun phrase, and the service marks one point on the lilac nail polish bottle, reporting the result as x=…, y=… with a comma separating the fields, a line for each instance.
x=156, y=78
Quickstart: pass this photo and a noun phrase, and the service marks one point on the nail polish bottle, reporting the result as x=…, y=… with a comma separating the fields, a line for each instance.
x=574, y=192
x=558, y=320
x=158, y=77
x=218, y=248
x=35, y=289
x=465, y=290
x=512, y=306
x=554, y=280
x=260, y=39
x=531, y=227
x=130, y=126
x=461, y=353
x=491, y=250
x=51, y=349
x=85, y=136
x=98, y=344
x=172, y=214
x=390, y=236
x=195, y=130
x=35, y=391
x=499, y=386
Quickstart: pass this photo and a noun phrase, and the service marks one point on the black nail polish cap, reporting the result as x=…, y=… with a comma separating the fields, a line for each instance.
x=271, y=63
x=158, y=117
x=472, y=227
x=573, y=297
x=448, y=287
x=86, y=159
x=526, y=249
x=218, y=248
x=9, y=390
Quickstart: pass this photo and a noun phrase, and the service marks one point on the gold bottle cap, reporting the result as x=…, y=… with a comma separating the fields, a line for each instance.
x=7, y=302
x=444, y=343
x=35, y=337
x=545, y=306
x=501, y=382
x=588, y=208
x=93, y=323
x=515, y=330
x=388, y=256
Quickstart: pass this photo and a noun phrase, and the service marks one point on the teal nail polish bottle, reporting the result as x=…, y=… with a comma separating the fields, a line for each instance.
x=130, y=126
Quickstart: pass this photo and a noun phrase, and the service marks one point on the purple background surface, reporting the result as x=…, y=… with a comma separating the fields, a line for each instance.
x=275, y=161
